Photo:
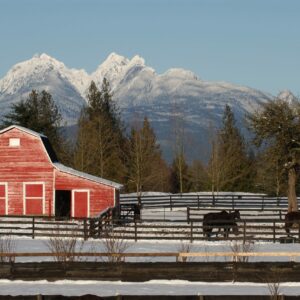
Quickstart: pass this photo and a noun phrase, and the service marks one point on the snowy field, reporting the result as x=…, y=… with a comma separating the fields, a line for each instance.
x=153, y=287
x=40, y=245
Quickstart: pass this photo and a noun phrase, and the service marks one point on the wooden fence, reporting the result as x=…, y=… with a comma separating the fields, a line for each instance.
x=42, y=226
x=226, y=201
x=177, y=256
x=252, y=229
x=143, y=271
x=269, y=230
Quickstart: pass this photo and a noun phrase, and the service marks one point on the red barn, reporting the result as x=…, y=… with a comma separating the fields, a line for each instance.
x=33, y=182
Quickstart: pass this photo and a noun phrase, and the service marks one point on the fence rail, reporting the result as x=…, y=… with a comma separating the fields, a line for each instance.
x=269, y=230
x=252, y=229
x=43, y=226
x=229, y=201
x=177, y=255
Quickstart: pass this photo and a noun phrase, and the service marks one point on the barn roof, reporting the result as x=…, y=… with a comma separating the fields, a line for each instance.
x=53, y=158
x=23, y=129
x=71, y=171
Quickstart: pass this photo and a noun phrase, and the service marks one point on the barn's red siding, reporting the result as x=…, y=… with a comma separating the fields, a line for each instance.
x=26, y=163
x=30, y=163
x=101, y=196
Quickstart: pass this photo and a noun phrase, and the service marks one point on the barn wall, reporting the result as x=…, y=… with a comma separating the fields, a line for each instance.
x=26, y=163
x=101, y=196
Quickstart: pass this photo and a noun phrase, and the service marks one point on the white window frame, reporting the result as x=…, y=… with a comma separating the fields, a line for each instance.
x=24, y=195
x=73, y=201
x=6, y=196
x=14, y=142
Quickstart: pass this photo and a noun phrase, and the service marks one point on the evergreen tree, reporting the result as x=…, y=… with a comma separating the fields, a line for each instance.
x=269, y=178
x=100, y=141
x=198, y=177
x=277, y=127
x=39, y=113
x=146, y=168
x=229, y=165
x=179, y=175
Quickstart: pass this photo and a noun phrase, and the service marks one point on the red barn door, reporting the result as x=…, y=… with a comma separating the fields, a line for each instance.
x=3, y=199
x=34, y=198
x=80, y=203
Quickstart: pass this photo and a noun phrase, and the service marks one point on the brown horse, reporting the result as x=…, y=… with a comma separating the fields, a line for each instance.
x=220, y=220
x=292, y=220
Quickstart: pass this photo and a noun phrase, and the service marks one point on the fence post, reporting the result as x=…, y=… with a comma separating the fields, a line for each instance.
x=299, y=230
x=198, y=201
x=85, y=234
x=135, y=231
x=170, y=202
x=188, y=214
x=191, y=231
x=244, y=232
x=232, y=199
x=274, y=233
x=99, y=228
x=33, y=227
x=263, y=203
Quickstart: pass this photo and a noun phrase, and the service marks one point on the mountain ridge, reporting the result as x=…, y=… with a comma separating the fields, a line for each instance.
x=138, y=90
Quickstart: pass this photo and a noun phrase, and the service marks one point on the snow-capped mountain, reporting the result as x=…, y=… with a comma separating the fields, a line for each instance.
x=177, y=96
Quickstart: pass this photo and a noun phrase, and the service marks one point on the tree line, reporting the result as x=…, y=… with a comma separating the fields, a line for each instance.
x=104, y=147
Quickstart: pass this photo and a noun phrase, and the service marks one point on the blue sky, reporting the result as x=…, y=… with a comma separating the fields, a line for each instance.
x=249, y=42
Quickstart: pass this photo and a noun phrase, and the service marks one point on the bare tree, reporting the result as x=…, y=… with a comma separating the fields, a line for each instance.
x=7, y=245
x=114, y=243
x=68, y=246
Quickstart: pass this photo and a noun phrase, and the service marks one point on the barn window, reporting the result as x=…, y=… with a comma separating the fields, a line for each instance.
x=34, y=198
x=14, y=142
x=3, y=199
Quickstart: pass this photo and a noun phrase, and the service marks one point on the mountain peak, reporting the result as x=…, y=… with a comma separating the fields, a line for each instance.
x=287, y=95
x=137, y=60
x=181, y=74
x=115, y=58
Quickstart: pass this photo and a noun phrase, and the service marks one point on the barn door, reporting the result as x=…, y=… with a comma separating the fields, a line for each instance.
x=3, y=199
x=80, y=203
x=34, y=198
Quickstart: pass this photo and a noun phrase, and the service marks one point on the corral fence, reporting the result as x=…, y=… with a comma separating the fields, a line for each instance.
x=248, y=230
x=44, y=226
x=226, y=201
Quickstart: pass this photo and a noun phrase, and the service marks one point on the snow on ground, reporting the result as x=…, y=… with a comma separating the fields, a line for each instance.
x=40, y=245
x=153, y=287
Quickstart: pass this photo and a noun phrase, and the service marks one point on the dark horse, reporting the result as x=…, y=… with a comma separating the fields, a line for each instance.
x=221, y=220
x=292, y=220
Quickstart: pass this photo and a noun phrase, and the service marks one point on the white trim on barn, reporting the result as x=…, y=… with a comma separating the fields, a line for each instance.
x=73, y=202
x=6, y=196
x=53, y=193
x=43, y=198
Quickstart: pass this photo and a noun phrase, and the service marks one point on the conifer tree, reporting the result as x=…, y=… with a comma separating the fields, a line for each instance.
x=146, y=168
x=39, y=113
x=198, y=176
x=229, y=165
x=179, y=176
x=277, y=127
x=100, y=141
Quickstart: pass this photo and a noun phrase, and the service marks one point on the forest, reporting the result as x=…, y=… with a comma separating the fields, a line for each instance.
x=130, y=154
